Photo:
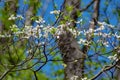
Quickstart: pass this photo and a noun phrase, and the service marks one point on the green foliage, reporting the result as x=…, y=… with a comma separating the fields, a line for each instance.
x=53, y=30
x=33, y=3
x=26, y=75
x=35, y=18
x=69, y=8
x=79, y=14
x=118, y=11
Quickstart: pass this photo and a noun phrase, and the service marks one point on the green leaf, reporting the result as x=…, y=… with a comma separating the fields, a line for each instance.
x=53, y=30
x=79, y=14
x=69, y=8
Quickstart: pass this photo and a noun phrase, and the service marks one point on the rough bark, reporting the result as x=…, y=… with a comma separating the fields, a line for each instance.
x=73, y=57
x=117, y=72
x=94, y=16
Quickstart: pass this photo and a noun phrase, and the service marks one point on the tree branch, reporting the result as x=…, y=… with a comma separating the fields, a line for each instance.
x=105, y=68
x=83, y=9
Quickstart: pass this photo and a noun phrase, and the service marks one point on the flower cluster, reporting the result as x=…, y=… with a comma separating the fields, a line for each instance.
x=84, y=42
x=31, y=31
x=85, y=78
x=114, y=57
x=102, y=34
x=41, y=30
x=13, y=17
x=55, y=12
x=38, y=31
x=40, y=20
x=63, y=29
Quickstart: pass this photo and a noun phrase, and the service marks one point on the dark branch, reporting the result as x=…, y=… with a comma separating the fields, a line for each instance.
x=105, y=68
x=83, y=9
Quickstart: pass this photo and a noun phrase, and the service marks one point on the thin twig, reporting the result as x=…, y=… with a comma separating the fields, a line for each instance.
x=106, y=68
x=44, y=51
x=6, y=72
x=83, y=9
x=36, y=78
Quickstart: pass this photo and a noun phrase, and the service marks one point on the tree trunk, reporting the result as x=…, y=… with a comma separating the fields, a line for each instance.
x=29, y=14
x=73, y=57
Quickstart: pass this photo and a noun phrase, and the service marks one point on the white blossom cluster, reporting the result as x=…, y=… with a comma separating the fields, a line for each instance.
x=31, y=31
x=62, y=29
x=55, y=12
x=5, y=35
x=13, y=17
x=40, y=20
x=84, y=42
x=41, y=30
x=114, y=57
x=100, y=32
x=85, y=78
x=38, y=31
x=26, y=32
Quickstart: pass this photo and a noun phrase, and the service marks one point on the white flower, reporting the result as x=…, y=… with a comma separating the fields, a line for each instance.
x=4, y=36
x=20, y=16
x=41, y=26
x=12, y=17
x=45, y=34
x=106, y=44
x=29, y=51
x=106, y=35
x=100, y=34
x=58, y=37
x=55, y=12
x=80, y=21
x=105, y=24
x=13, y=26
x=81, y=41
x=100, y=28
x=114, y=57
x=46, y=31
x=68, y=23
x=85, y=78
x=89, y=31
x=40, y=20
x=74, y=78
x=118, y=51
x=116, y=35
x=58, y=32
